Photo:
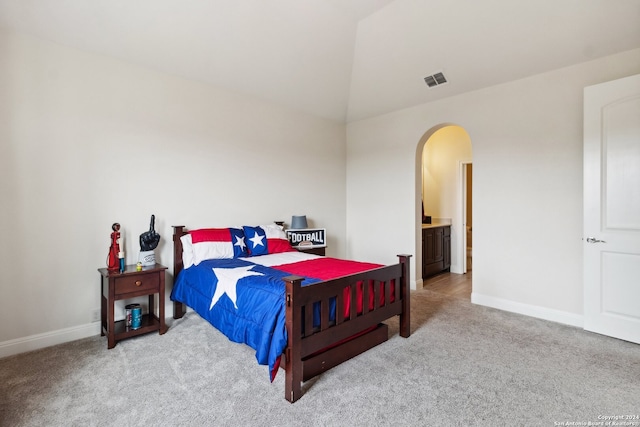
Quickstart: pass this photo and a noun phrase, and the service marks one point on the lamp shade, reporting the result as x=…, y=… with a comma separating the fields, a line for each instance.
x=299, y=221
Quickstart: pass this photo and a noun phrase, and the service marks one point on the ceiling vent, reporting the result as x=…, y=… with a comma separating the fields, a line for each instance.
x=436, y=79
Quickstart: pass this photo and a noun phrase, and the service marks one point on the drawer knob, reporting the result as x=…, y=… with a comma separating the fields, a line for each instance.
x=138, y=282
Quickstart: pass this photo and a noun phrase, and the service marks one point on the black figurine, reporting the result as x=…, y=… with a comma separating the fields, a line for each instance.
x=149, y=239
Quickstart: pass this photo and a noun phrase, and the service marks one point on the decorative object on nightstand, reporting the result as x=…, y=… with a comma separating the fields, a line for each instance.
x=303, y=238
x=129, y=284
x=299, y=222
x=148, y=242
x=113, y=257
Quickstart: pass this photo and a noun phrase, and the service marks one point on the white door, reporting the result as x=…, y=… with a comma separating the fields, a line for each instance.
x=612, y=208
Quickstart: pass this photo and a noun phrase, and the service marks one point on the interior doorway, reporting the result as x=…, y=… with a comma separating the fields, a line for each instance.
x=445, y=192
x=467, y=214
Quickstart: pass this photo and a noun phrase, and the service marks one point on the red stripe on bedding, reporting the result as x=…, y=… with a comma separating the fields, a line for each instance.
x=210, y=235
x=326, y=268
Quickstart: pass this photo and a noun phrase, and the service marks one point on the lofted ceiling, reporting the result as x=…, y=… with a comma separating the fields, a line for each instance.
x=340, y=59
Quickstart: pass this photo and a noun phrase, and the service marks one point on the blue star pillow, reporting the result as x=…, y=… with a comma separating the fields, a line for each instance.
x=256, y=240
x=239, y=246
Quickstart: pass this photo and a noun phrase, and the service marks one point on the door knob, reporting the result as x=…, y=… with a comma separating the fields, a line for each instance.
x=594, y=240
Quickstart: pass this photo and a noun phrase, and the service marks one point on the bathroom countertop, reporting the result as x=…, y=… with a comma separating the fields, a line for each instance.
x=437, y=223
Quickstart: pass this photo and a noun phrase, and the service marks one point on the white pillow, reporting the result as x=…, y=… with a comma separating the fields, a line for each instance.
x=187, y=251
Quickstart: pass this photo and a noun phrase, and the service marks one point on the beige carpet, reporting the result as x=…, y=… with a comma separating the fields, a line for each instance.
x=463, y=365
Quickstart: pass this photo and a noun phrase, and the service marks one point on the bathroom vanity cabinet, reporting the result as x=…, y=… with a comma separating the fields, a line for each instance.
x=436, y=249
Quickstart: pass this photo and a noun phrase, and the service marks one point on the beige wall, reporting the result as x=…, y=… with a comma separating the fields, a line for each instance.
x=87, y=141
x=527, y=156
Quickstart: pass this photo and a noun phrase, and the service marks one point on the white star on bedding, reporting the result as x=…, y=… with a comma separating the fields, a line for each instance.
x=257, y=240
x=240, y=242
x=227, y=281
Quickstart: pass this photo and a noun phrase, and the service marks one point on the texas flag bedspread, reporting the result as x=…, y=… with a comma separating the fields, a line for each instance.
x=244, y=297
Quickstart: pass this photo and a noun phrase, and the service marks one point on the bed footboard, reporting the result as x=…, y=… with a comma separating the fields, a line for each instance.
x=313, y=350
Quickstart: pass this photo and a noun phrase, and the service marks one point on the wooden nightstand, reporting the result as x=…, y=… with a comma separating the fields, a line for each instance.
x=131, y=283
x=315, y=251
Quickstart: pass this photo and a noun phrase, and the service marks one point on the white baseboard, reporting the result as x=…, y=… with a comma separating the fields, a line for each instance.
x=529, y=310
x=47, y=339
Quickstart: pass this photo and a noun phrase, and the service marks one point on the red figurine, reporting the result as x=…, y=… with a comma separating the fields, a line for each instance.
x=113, y=263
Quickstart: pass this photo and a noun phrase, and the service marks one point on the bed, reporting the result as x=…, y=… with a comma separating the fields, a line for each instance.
x=303, y=312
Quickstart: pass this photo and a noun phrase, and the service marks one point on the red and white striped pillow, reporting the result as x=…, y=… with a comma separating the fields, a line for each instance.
x=212, y=243
x=277, y=240
x=219, y=243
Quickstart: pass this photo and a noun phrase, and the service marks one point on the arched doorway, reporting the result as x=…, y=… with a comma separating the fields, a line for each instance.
x=443, y=191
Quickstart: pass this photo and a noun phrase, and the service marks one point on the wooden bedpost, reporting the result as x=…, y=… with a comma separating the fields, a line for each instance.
x=178, y=231
x=405, y=294
x=293, y=364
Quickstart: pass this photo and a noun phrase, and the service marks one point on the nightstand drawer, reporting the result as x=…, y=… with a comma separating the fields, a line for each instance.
x=129, y=284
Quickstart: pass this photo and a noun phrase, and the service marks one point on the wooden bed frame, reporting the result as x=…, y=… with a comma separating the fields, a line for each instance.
x=311, y=351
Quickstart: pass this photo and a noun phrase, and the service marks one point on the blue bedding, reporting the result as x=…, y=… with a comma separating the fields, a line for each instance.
x=245, y=301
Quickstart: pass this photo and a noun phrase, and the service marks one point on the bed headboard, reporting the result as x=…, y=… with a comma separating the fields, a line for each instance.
x=178, y=232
